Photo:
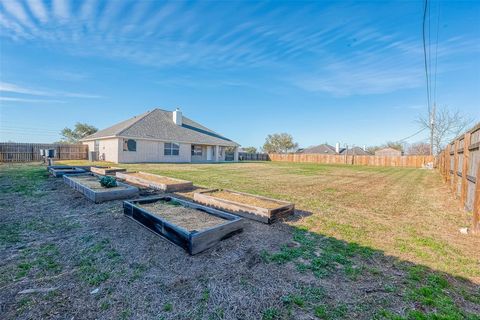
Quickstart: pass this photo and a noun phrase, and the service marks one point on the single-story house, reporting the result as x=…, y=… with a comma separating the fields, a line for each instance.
x=161, y=136
x=354, y=151
x=328, y=149
x=320, y=149
x=389, y=152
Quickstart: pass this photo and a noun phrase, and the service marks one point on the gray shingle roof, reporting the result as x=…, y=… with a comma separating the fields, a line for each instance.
x=158, y=124
x=355, y=150
x=322, y=149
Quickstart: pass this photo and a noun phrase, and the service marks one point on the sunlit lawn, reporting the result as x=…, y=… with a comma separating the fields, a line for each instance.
x=407, y=213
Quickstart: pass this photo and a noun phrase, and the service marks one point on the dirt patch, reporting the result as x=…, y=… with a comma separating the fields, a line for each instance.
x=153, y=178
x=246, y=199
x=94, y=183
x=187, y=218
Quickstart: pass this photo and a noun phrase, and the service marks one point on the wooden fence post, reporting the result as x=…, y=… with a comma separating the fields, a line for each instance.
x=455, y=169
x=476, y=204
x=448, y=164
x=465, y=166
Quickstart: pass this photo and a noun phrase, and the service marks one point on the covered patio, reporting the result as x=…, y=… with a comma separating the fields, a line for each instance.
x=213, y=153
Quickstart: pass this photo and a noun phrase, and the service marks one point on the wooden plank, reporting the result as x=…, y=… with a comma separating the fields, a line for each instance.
x=59, y=171
x=102, y=195
x=455, y=169
x=465, y=166
x=25, y=152
x=447, y=164
x=106, y=170
x=387, y=161
x=476, y=204
x=176, y=185
x=193, y=242
x=246, y=210
x=474, y=146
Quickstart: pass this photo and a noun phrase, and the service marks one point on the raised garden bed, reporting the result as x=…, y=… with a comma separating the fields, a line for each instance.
x=250, y=206
x=89, y=185
x=189, y=225
x=59, y=171
x=155, y=181
x=104, y=171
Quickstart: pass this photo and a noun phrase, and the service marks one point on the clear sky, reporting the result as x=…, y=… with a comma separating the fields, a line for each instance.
x=322, y=71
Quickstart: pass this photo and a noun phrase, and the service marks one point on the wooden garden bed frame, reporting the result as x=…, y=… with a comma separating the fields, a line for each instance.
x=104, y=171
x=179, y=184
x=59, y=171
x=249, y=211
x=192, y=241
x=100, y=196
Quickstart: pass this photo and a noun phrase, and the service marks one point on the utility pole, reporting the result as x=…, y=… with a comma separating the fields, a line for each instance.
x=432, y=127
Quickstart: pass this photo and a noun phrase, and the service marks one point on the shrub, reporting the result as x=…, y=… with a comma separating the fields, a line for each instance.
x=108, y=182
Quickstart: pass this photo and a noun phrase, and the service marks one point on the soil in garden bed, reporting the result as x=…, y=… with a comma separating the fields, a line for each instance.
x=246, y=199
x=67, y=170
x=184, y=217
x=157, y=179
x=94, y=183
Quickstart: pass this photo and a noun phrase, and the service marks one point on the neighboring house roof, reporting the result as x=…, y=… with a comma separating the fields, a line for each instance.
x=158, y=124
x=388, y=151
x=355, y=150
x=322, y=149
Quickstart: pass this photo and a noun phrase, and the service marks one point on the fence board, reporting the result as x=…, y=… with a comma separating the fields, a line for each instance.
x=384, y=161
x=459, y=165
x=29, y=152
x=244, y=156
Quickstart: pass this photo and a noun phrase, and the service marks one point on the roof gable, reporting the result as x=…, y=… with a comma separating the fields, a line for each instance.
x=322, y=148
x=158, y=124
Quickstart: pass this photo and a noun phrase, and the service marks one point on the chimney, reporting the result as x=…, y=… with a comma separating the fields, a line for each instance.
x=337, y=147
x=177, y=117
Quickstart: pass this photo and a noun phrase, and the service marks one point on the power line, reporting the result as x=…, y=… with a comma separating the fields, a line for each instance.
x=436, y=56
x=412, y=135
x=425, y=53
x=28, y=129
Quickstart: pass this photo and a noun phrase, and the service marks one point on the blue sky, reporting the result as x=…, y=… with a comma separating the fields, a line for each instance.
x=322, y=71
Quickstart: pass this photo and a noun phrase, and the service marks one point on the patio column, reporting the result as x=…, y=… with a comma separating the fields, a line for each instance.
x=217, y=154
x=235, y=155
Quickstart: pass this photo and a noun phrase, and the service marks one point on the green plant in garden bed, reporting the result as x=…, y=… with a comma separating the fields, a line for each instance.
x=108, y=182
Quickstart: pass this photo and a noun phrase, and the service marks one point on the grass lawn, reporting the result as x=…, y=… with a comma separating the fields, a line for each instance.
x=365, y=242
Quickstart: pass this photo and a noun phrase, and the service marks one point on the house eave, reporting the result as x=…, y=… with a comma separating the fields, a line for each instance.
x=227, y=143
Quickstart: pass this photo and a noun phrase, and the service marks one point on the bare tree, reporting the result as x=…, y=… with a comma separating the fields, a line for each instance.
x=419, y=148
x=446, y=125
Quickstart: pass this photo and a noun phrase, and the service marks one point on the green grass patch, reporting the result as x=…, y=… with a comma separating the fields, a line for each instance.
x=24, y=179
x=96, y=262
x=321, y=255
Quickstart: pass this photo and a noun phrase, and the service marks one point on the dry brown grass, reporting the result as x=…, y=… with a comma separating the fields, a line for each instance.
x=244, y=198
x=365, y=243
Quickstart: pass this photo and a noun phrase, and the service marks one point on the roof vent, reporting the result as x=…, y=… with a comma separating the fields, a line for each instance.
x=177, y=117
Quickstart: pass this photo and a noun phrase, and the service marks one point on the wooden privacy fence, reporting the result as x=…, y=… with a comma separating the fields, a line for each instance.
x=243, y=156
x=459, y=164
x=383, y=161
x=25, y=152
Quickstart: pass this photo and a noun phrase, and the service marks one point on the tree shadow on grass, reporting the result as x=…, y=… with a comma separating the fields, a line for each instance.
x=361, y=282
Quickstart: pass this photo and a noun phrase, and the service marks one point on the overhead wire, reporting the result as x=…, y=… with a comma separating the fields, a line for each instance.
x=412, y=135
x=436, y=56
x=425, y=52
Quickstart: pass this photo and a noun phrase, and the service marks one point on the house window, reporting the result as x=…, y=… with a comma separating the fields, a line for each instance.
x=197, y=151
x=171, y=149
x=129, y=145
